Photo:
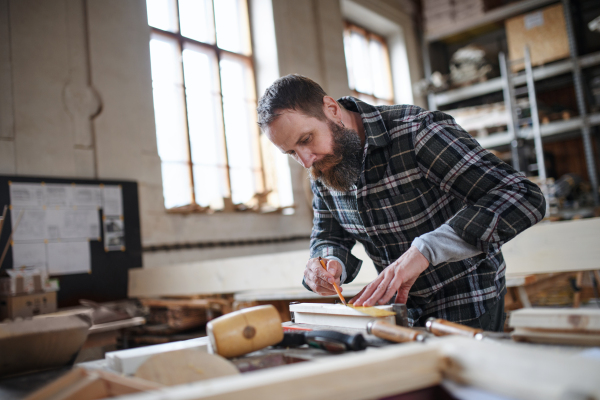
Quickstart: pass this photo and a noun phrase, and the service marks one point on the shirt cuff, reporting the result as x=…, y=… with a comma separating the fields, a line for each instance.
x=444, y=245
x=343, y=277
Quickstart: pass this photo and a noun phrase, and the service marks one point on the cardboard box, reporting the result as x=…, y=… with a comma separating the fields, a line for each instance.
x=544, y=31
x=24, y=280
x=27, y=305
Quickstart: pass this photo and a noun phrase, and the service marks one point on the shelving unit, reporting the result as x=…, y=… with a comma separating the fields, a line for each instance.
x=575, y=64
x=495, y=84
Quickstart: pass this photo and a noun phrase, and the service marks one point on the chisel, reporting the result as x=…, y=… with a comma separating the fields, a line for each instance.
x=394, y=333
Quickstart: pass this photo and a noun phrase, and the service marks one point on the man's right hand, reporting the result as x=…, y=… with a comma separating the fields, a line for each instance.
x=321, y=281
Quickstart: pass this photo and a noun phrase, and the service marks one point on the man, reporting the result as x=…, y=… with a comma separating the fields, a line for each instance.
x=430, y=205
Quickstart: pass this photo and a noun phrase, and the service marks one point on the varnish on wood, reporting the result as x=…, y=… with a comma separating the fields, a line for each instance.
x=340, y=315
x=244, y=331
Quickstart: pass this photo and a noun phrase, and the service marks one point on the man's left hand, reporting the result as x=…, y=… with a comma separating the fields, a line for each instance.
x=397, y=278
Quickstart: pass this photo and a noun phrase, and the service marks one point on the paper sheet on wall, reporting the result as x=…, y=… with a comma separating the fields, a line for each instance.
x=87, y=195
x=29, y=255
x=26, y=194
x=69, y=257
x=112, y=200
x=58, y=194
x=32, y=225
x=73, y=223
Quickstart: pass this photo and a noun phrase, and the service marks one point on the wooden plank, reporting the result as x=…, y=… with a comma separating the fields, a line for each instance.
x=128, y=361
x=510, y=369
x=555, y=247
x=520, y=371
x=230, y=275
x=375, y=373
x=185, y=366
x=553, y=337
x=556, y=318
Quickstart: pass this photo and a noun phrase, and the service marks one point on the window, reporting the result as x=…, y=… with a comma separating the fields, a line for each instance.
x=205, y=107
x=368, y=64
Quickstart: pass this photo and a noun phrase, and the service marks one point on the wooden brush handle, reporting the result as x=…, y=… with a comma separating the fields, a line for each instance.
x=393, y=333
x=441, y=327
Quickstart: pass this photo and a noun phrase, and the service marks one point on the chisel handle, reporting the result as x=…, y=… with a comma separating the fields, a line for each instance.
x=393, y=333
x=441, y=327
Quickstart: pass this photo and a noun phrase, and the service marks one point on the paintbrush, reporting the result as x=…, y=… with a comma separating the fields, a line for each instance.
x=335, y=286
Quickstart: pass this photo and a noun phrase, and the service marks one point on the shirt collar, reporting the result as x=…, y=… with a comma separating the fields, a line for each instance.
x=375, y=131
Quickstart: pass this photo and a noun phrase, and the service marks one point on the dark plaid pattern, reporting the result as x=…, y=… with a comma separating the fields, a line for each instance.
x=422, y=170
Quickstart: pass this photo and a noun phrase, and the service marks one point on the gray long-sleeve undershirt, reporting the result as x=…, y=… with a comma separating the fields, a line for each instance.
x=438, y=246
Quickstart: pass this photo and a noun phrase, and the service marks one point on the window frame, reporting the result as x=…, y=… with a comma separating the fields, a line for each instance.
x=246, y=59
x=349, y=27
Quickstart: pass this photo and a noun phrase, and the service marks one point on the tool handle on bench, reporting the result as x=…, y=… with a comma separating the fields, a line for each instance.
x=441, y=327
x=393, y=333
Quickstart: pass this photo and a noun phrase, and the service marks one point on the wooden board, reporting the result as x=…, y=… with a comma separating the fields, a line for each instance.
x=128, y=361
x=569, y=319
x=520, y=371
x=231, y=275
x=545, y=33
x=184, y=366
x=509, y=369
x=336, y=315
x=370, y=374
x=555, y=247
x=554, y=337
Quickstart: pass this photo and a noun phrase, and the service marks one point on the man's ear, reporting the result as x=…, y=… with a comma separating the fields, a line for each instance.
x=331, y=108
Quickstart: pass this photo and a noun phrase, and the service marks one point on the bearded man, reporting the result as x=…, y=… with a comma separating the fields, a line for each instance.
x=431, y=206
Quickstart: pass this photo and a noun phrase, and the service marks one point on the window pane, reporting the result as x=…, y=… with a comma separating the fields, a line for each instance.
x=349, y=58
x=382, y=83
x=197, y=20
x=233, y=32
x=169, y=110
x=162, y=14
x=241, y=130
x=205, y=125
x=177, y=184
x=277, y=174
x=360, y=62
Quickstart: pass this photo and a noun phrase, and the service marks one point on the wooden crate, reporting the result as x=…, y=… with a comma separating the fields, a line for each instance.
x=544, y=31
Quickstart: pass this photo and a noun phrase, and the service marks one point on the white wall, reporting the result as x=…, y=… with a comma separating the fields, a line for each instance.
x=76, y=101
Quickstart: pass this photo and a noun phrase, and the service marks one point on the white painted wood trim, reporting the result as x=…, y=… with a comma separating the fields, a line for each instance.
x=128, y=361
x=555, y=247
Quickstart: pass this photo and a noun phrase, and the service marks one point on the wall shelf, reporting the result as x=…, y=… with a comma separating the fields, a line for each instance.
x=496, y=15
x=547, y=130
x=495, y=84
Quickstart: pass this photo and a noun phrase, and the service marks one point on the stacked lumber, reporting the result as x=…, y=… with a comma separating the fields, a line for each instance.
x=441, y=15
x=438, y=15
x=580, y=327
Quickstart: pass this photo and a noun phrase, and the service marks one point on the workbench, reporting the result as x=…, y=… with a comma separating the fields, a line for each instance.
x=466, y=368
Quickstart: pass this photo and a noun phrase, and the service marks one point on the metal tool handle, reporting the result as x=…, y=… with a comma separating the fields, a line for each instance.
x=441, y=327
x=393, y=333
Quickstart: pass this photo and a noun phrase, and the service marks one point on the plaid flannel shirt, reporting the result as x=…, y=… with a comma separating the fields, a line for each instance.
x=421, y=170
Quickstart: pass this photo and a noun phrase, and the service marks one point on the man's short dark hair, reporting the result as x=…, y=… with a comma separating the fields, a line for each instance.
x=291, y=92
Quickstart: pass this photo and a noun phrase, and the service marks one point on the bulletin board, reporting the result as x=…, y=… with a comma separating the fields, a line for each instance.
x=85, y=233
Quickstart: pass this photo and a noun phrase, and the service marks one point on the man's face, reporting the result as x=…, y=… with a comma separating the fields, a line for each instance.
x=330, y=152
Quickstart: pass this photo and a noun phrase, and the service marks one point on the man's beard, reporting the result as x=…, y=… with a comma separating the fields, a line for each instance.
x=340, y=170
